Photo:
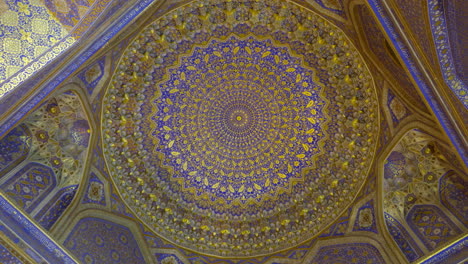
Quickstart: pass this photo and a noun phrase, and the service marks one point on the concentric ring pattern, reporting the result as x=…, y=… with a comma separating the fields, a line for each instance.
x=239, y=128
x=238, y=118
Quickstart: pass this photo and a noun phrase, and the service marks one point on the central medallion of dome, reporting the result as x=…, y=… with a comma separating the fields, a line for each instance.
x=236, y=120
x=249, y=139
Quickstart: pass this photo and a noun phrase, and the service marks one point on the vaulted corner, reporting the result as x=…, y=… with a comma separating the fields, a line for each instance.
x=420, y=213
x=232, y=131
x=44, y=158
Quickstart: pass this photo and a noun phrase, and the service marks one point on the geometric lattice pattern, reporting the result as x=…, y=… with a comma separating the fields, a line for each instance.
x=431, y=225
x=48, y=149
x=61, y=134
x=94, y=240
x=412, y=193
x=411, y=173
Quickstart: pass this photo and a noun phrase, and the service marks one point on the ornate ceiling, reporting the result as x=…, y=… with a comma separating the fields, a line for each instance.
x=233, y=134
x=35, y=32
x=238, y=131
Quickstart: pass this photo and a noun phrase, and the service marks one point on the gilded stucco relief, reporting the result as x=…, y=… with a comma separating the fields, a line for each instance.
x=233, y=132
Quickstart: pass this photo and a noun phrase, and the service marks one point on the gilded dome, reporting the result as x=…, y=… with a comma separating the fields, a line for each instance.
x=239, y=128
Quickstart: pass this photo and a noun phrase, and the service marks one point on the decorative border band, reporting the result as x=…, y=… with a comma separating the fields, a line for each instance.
x=111, y=31
x=429, y=94
x=32, y=235
x=441, y=38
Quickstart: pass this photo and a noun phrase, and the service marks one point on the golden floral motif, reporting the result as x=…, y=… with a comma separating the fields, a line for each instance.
x=35, y=27
x=246, y=131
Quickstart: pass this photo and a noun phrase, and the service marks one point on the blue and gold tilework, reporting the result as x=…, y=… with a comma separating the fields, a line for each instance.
x=93, y=14
x=27, y=31
x=55, y=207
x=60, y=136
x=95, y=191
x=118, y=206
x=381, y=49
x=295, y=255
x=14, y=249
x=335, y=6
x=80, y=132
x=348, y=253
x=403, y=239
x=454, y=195
x=365, y=218
x=414, y=14
x=224, y=117
x=431, y=225
x=240, y=119
x=92, y=74
x=394, y=165
x=50, y=147
x=34, y=32
x=30, y=185
x=385, y=132
x=397, y=109
x=447, y=59
x=14, y=148
x=28, y=237
x=417, y=179
x=6, y=256
x=339, y=227
x=455, y=253
x=454, y=13
x=95, y=240
x=411, y=173
x=68, y=12
x=168, y=259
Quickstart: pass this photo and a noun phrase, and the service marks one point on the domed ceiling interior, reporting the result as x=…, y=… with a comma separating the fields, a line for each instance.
x=233, y=131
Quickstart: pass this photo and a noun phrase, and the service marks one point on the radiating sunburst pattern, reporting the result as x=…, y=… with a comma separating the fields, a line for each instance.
x=239, y=128
x=237, y=119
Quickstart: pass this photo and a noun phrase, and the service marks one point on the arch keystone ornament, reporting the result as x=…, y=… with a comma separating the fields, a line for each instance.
x=240, y=128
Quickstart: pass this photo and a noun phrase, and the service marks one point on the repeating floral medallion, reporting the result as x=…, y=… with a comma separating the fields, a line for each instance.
x=240, y=128
x=236, y=122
